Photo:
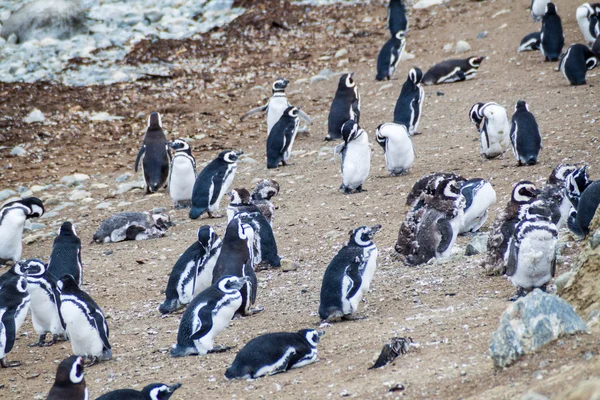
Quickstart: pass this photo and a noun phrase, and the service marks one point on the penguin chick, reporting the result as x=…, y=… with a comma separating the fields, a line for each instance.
x=155, y=154
x=132, y=226
x=264, y=190
x=69, y=383
x=345, y=106
x=428, y=184
x=389, y=56
x=525, y=135
x=240, y=201
x=153, y=391
x=397, y=147
x=356, y=157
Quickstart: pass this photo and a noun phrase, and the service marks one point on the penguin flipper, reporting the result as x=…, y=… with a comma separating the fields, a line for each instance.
x=304, y=116
x=10, y=331
x=445, y=230
x=356, y=110
x=205, y=314
x=139, y=156
x=249, y=271
x=133, y=230
x=353, y=273
x=511, y=263
x=101, y=327
x=254, y=111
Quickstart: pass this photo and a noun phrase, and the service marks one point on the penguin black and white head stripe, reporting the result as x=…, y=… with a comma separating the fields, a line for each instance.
x=280, y=85
x=12, y=220
x=559, y=174
x=265, y=189
x=389, y=56
x=552, y=39
x=538, y=9
x=398, y=148
x=479, y=196
x=525, y=135
x=397, y=20
x=180, y=145
x=182, y=174
x=584, y=15
x=579, y=223
x=14, y=305
x=281, y=138
x=575, y=63
x=16, y=269
x=153, y=391
x=530, y=42
x=475, y=116
x=356, y=157
x=345, y=106
x=156, y=155
x=66, y=254
x=69, y=383
x=453, y=71
x=409, y=105
x=273, y=353
x=576, y=182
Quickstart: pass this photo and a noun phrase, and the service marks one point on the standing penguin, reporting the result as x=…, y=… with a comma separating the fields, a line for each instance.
x=479, y=196
x=272, y=353
x=85, y=322
x=585, y=15
x=356, y=157
x=453, y=71
x=182, y=174
x=241, y=201
x=410, y=102
x=345, y=106
x=14, y=304
x=192, y=273
x=389, y=56
x=12, y=220
x=579, y=224
x=66, y=254
x=281, y=138
x=397, y=20
x=397, y=147
x=348, y=276
x=69, y=383
x=494, y=129
x=525, y=135
x=207, y=316
x=264, y=190
x=155, y=150
x=212, y=183
x=576, y=61
x=153, y=391
x=552, y=39
x=538, y=9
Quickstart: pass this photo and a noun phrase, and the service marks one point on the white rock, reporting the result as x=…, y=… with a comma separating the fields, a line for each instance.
x=340, y=53
x=386, y=86
x=97, y=186
x=462, y=46
x=18, y=151
x=126, y=187
x=79, y=195
x=72, y=180
x=448, y=47
x=104, y=116
x=6, y=193
x=318, y=78
x=38, y=188
x=103, y=206
x=34, y=116
x=427, y=3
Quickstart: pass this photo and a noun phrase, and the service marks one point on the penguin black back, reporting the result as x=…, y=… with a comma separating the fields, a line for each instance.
x=525, y=135
x=575, y=63
x=345, y=106
x=66, y=254
x=397, y=20
x=155, y=150
x=408, y=106
x=552, y=39
x=153, y=391
x=70, y=382
x=588, y=204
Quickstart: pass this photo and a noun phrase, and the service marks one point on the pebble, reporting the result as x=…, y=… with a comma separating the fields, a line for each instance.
x=386, y=86
x=39, y=188
x=482, y=35
x=562, y=280
x=426, y=3
x=98, y=186
x=326, y=72
x=64, y=205
x=51, y=201
x=534, y=396
x=79, y=195
x=104, y=205
x=340, y=53
x=124, y=177
x=6, y=193
x=36, y=226
x=448, y=47
x=34, y=116
x=18, y=151
x=126, y=187
x=289, y=265
x=462, y=47
x=477, y=245
x=104, y=116
x=318, y=78
x=249, y=160
x=73, y=180
x=343, y=63
x=124, y=204
x=31, y=239
x=27, y=193
x=50, y=214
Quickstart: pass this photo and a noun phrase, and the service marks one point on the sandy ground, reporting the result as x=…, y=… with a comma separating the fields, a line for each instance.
x=450, y=308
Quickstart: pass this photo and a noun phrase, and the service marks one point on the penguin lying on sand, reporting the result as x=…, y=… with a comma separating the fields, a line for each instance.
x=132, y=226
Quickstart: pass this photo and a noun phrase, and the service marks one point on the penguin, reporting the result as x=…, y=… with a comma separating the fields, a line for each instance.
x=45, y=302
x=560, y=173
x=479, y=196
x=241, y=201
x=12, y=220
x=69, y=383
x=409, y=105
x=530, y=42
x=207, y=316
x=281, y=138
x=132, y=226
x=85, y=323
x=525, y=135
x=276, y=106
x=428, y=184
x=575, y=184
x=349, y=275
x=389, y=56
x=552, y=39
x=15, y=270
x=272, y=353
x=182, y=174
x=264, y=190
x=14, y=305
x=236, y=259
x=212, y=183
x=579, y=223
x=156, y=155
x=453, y=71
x=265, y=250
x=153, y=391
x=356, y=157
x=575, y=63
x=66, y=254
x=192, y=273
x=538, y=9
x=345, y=106
x=494, y=129
x=397, y=20
x=397, y=147
x=585, y=15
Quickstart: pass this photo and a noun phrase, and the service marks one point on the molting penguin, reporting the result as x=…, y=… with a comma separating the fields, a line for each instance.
x=584, y=15
x=453, y=71
x=356, y=157
x=525, y=135
x=281, y=138
x=241, y=201
x=155, y=151
x=182, y=174
x=397, y=147
x=132, y=226
x=85, y=322
x=530, y=42
x=66, y=254
x=428, y=184
x=272, y=353
x=552, y=39
x=69, y=383
x=410, y=102
x=14, y=304
x=538, y=9
x=153, y=391
x=575, y=184
x=479, y=196
x=12, y=220
x=345, y=106
x=586, y=209
x=397, y=20
x=207, y=316
x=192, y=273
x=264, y=190
x=575, y=63
x=389, y=56
x=212, y=183
x=494, y=130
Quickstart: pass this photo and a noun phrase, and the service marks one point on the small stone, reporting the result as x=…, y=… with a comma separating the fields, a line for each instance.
x=123, y=178
x=12, y=39
x=482, y=35
x=343, y=63
x=34, y=116
x=462, y=46
x=31, y=239
x=50, y=214
x=51, y=201
x=75, y=179
x=318, y=78
x=289, y=265
x=6, y=193
x=98, y=186
x=504, y=11
x=159, y=210
x=64, y=205
x=502, y=26
x=104, y=116
x=440, y=93
x=326, y=72
x=36, y=226
x=18, y=151
x=534, y=396
x=39, y=188
x=126, y=187
x=124, y=204
x=27, y=193
x=248, y=160
x=448, y=47
x=340, y=53
x=79, y=195
x=562, y=280
x=477, y=245
x=595, y=239
x=426, y=3
x=103, y=206
x=301, y=81
x=386, y=86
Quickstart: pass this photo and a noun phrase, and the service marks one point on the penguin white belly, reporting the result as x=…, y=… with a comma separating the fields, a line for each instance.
x=565, y=211
x=11, y=234
x=538, y=8
x=182, y=180
x=371, y=255
x=534, y=263
x=44, y=314
x=357, y=164
x=307, y=359
x=346, y=304
x=476, y=215
x=84, y=337
x=229, y=175
x=399, y=154
x=220, y=321
x=204, y=278
x=2, y=335
x=186, y=287
x=456, y=223
x=278, y=366
x=21, y=314
x=584, y=24
x=277, y=105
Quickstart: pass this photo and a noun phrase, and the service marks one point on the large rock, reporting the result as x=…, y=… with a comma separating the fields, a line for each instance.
x=531, y=322
x=586, y=390
x=477, y=245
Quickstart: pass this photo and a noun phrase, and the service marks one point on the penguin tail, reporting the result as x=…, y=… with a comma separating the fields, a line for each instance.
x=196, y=212
x=106, y=355
x=181, y=351
x=169, y=306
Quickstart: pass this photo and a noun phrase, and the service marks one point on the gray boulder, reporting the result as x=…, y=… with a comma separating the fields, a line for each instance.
x=477, y=245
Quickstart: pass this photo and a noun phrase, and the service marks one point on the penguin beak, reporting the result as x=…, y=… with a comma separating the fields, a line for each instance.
x=320, y=333
x=375, y=229
x=174, y=387
x=239, y=152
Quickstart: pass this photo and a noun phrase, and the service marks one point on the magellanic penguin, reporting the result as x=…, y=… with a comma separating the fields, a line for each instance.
x=453, y=71
x=579, y=224
x=397, y=147
x=272, y=353
x=530, y=42
x=409, y=105
x=552, y=39
x=348, y=276
x=538, y=9
x=212, y=183
x=69, y=383
x=156, y=155
x=132, y=226
x=345, y=106
x=355, y=153
x=525, y=135
x=240, y=201
x=493, y=126
x=265, y=250
x=207, y=316
x=397, y=20
x=85, y=322
x=182, y=174
x=479, y=196
x=153, y=391
x=389, y=56
x=560, y=173
x=12, y=220
x=428, y=184
x=576, y=61
x=14, y=305
x=264, y=190
x=276, y=106
x=66, y=254
x=575, y=183
x=15, y=270
x=281, y=138
x=192, y=273
x=586, y=13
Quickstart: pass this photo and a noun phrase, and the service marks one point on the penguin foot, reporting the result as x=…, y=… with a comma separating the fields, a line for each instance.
x=219, y=349
x=323, y=324
x=41, y=342
x=13, y=364
x=520, y=293
x=211, y=215
x=93, y=360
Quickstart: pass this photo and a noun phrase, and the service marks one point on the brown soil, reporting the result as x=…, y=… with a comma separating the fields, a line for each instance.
x=449, y=308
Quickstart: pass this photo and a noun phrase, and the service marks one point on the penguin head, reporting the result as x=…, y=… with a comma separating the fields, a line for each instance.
x=240, y=196
x=230, y=156
x=415, y=75
x=475, y=116
x=312, y=336
x=347, y=81
x=154, y=121
x=577, y=181
x=521, y=106
x=550, y=9
x=230, y=284
x=448, y=189
x=31, y=267
x=280, y=85
x=207, y=236
x=350, y=130
x=537, y=210
x=34, y=206
x=475, y=62
x=524, y=192
x=70, y=372
x=162, y=221
x=265, y=189
x=67, y=229
x=292, y=112
x=558, y=176
x=179, y=145
x=66, y=283
x=362, y=236
x=159, y=391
